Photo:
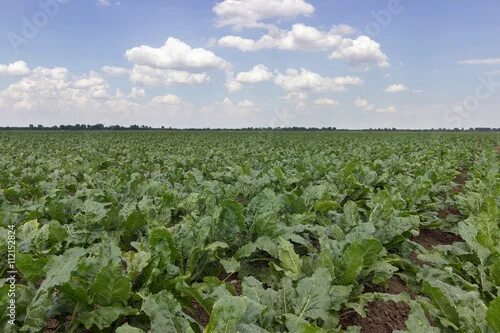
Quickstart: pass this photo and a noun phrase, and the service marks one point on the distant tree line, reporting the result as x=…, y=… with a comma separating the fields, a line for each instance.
x=101, y=127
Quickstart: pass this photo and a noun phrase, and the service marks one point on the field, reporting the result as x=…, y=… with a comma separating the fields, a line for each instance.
x=250, y=232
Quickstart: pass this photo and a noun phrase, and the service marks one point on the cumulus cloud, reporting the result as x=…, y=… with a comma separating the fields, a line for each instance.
x=359, y=51
x=47, y=88
x=137, y=93
x=300, y=99
x=167, y=99
x=483, y=61
x=363, y=104
x=396, y=88
x=299, y=37
x=389, y=109
x=114, y=71
x=362, y=50
x=18, y=68
x=326, y=102
x=176, y=55
x=250, y=13
x=293, y=80
x=233, y=85
x=258, y=73
x=149, y=76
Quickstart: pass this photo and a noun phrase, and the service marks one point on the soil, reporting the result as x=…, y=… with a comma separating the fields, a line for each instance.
x=444, y=213
x=431, y=237
x=199, y=314
x=233, y=280
x=414, y=258
x=51, y=326
x=394, y=286
x=460, y=180
x=382, y=317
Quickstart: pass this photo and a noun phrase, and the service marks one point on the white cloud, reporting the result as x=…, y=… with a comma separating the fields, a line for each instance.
x=245, y=104
x=294, y=80
x=362, y=50
x=88, y=81
x=137, y=93
x=175, y=55
x=326, y=102
x=396, y=88
x=484, y=61
x=114, y=71
x=167, y=99
x=300, y=99
x=50, y=88
x=107, y=2
x=149, y=76
x=258, y=73
x=359, y=51
x=389, y=109
x=243, y=44
x=251, y=13
x=300, y=37
x=18, y=68
x=363, y=104
x=233, y=85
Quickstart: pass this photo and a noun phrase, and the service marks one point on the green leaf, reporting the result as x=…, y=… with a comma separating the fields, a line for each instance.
x=103, y=317
x=358, y=255
x=110, y=287
x=166, y=314
x=325, y=206
x=417, y=322
x=493, y=315
x=60, y=268
x=289, y=260
x=229, y=311
x=263, y=243
x=351, y=214
x=36, y=313
x=312, y=300
x=31, y=269
x=442, y=301
x=126, y=328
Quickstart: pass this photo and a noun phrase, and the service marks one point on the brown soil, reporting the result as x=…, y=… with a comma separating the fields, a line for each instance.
x=460, y=180
x=418, y=262
x=51, y=326
x=444, y=213
x=233, y=280
x=394, y=286
x=199, y=314
x=431, y=237
x=382, y=317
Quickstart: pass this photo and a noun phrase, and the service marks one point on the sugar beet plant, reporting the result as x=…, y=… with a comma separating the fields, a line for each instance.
x=250, y=231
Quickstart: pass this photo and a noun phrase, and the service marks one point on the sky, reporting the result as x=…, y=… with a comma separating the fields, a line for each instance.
x=251, y=63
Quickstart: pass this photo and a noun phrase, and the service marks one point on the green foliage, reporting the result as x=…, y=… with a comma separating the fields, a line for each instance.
x=252, y=232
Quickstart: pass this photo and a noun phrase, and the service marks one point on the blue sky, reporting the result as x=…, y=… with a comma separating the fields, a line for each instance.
x=239, y=63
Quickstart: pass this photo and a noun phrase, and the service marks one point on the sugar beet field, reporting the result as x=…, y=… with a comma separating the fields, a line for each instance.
x=251, y=232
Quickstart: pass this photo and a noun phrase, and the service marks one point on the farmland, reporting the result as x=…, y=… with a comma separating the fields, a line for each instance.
x=250, y=231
